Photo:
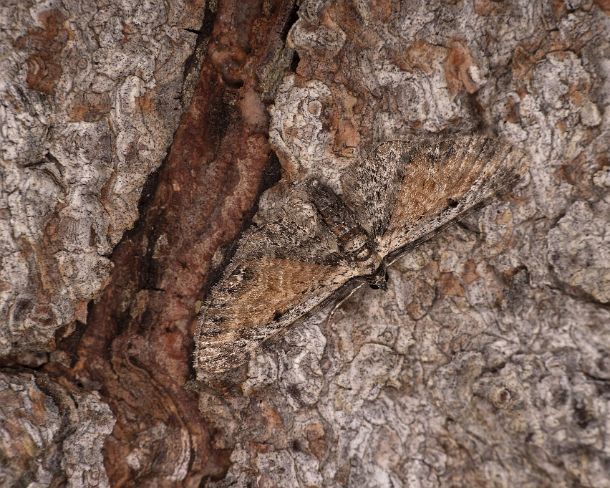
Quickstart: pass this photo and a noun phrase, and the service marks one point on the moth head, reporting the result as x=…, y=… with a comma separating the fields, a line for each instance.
x=361, y=252
x=379, y=279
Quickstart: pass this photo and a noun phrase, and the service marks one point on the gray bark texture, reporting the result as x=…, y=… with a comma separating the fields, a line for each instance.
x=487, y=360
x=90, y=99
x=48, y=436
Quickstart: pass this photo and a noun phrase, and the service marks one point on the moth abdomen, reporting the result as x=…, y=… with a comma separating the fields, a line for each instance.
x=334, y=212
x=353, y=240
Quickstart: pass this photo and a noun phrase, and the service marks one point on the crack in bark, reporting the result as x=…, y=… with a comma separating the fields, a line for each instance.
x=136, y=347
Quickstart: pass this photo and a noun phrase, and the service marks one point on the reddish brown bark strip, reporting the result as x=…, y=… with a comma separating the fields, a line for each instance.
x=137, y=345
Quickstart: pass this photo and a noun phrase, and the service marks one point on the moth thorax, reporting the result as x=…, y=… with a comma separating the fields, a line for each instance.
x=356, y=244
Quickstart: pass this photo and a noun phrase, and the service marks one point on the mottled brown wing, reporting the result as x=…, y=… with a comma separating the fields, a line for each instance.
x=443, y=178
x=291, y=259
x=284, y=266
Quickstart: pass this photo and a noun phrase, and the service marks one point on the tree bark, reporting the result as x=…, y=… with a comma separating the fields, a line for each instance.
x=136, y=141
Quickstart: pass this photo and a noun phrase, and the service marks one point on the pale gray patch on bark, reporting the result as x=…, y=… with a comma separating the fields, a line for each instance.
x=77, y=146
x=48, y=434
x=579, y=248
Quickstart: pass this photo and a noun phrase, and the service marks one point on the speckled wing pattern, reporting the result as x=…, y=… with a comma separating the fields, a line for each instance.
x=444, y=178
x=309, y=238
x=285, y=264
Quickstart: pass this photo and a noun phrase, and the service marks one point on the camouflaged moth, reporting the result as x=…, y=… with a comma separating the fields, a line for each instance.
x=311, y=237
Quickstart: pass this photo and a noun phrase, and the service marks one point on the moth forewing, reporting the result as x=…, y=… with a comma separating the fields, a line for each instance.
x=463, y=172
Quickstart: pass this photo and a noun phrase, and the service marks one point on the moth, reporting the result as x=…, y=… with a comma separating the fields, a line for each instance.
x=311, y=237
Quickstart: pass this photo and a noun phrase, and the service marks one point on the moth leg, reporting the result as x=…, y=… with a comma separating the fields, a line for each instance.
x=341, y=302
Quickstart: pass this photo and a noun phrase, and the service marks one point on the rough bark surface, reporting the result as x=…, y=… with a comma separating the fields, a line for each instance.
x=486, y=363
x=136, y=344
x=49, y=435
x=90, y=99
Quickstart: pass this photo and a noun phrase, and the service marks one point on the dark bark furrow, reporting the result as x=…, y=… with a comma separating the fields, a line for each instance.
x=137, y=345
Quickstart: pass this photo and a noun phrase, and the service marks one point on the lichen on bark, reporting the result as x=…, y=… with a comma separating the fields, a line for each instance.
x=50, y=436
